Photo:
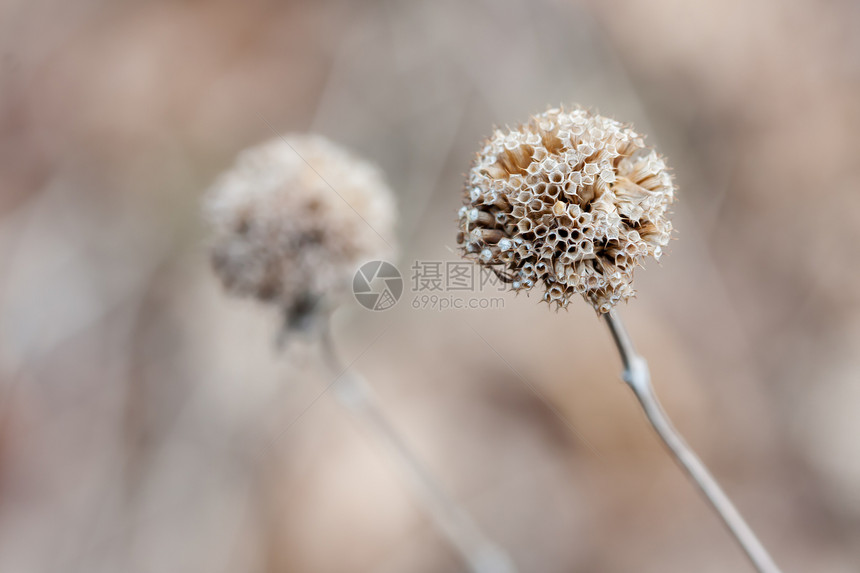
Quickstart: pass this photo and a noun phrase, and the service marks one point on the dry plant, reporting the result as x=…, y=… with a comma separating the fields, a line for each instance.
x=571, y=202
x=291, y=222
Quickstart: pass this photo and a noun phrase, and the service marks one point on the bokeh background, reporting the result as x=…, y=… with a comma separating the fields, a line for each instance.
x=149, y=424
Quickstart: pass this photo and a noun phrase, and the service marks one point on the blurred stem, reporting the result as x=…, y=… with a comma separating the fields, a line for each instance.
x=480, y=554
x=637, y=376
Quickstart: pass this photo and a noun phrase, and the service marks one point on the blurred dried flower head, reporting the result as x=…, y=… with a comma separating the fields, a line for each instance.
x=572, y=201
x=293, y=219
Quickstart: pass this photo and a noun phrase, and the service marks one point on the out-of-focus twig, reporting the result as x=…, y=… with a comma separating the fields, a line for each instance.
x=479, y=552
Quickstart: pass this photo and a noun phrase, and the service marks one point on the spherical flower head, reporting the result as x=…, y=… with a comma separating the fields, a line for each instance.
x=570, y=203
x=293, y=219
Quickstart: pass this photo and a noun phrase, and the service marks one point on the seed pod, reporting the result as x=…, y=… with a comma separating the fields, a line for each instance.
x=282, y=234
x=585, y=192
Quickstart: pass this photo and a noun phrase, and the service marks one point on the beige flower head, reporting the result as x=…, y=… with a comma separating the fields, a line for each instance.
x=293, y=219
x=570, y=202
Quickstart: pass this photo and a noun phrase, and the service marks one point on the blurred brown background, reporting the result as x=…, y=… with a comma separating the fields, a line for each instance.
x=146, y=418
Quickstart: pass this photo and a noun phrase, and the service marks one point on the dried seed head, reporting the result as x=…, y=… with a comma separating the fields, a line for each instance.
x=293, y=219
x=580, y=195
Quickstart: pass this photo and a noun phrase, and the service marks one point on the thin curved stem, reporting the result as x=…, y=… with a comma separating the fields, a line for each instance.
x=638, y=377
x=480, y=554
